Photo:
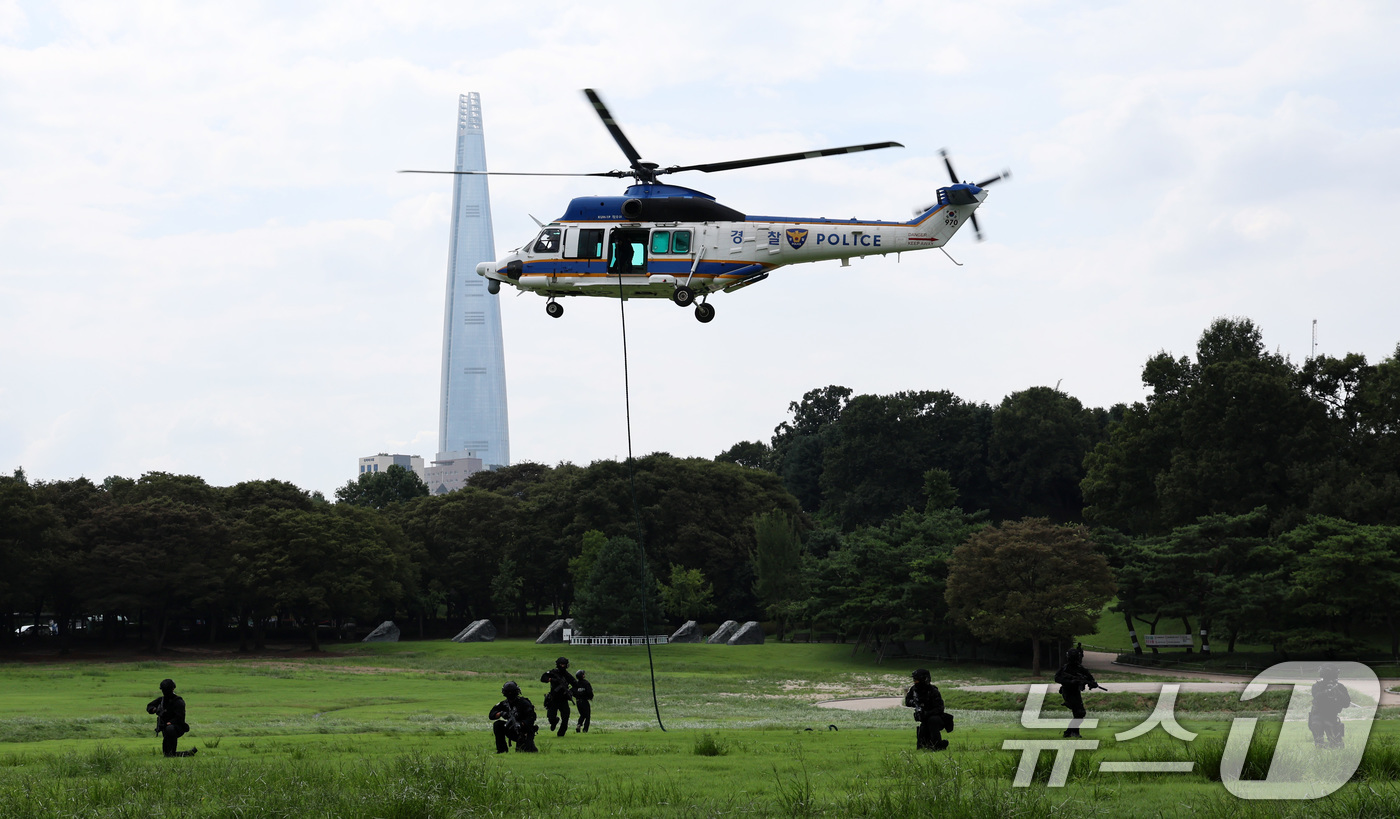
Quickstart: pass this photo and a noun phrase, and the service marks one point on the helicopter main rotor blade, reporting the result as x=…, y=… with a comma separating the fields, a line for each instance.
x=620, y=138
x=712, y=167
x=976, y=228
x=614, y=174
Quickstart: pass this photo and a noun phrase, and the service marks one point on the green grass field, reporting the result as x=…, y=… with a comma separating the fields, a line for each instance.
x=389, y=730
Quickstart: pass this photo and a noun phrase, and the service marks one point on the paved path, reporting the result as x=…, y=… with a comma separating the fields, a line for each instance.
x=1105, y=661
x=876, y=703
x=1191, y=681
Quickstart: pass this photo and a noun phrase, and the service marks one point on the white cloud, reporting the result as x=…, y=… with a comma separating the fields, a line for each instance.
x=210, y=266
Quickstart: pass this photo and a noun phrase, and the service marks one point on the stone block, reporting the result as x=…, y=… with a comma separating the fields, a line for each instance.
x=386, y=632
x=749, y=634
x=555, y=632
x=480, y=631
x=724, y=632
x=688, y=633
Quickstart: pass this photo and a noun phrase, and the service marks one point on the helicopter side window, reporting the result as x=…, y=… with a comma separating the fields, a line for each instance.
x=548, y=242
x=670, y=241
x=590, y=244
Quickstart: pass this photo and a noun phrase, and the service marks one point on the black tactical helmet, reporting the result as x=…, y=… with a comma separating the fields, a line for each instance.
x=1328, y=672
x=167, y=685
x=562, y=662
x=921, y=675
x=510, y=689
x=578, y=675
x=1075, y=656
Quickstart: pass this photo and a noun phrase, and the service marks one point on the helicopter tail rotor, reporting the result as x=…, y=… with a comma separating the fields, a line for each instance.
x=948, y=163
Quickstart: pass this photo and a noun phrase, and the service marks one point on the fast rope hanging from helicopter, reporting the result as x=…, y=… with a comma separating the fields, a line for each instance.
x=636, y=509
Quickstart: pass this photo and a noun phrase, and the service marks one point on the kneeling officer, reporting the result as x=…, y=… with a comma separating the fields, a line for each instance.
x=927, y=703
x=169, y=709
x=514, y=719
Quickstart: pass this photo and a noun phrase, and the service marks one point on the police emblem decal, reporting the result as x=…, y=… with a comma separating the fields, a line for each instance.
x=796, y=237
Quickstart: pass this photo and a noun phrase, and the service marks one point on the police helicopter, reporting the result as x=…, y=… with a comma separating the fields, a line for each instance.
x=665, y=241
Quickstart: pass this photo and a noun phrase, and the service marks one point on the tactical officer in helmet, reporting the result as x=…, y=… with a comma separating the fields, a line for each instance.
x=583, y=698
x=169, y=709
x=1329, y=697
x=927, y=703
x=514, y=720
x=1073, y=678
x=556, y=702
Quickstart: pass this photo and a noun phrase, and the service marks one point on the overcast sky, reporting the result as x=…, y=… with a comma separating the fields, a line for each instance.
x=209, y=266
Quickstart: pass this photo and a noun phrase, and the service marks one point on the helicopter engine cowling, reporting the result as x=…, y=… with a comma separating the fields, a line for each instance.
x=632, y=208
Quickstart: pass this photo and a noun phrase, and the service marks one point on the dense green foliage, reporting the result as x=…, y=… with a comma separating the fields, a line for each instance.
x=1030, y=579
x=1240, y=428
x=620, y=596
x=137, y=555
x=378, y=490
x=1246, y=496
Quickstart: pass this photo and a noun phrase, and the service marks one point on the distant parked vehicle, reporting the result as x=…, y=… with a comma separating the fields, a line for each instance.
x=32, y=630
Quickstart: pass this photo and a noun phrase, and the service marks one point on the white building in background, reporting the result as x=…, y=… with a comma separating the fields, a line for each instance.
x=442, y=476
x=450, y=475
x=381, y=462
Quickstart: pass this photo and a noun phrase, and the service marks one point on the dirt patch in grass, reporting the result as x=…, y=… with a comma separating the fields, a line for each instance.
x=285, y=665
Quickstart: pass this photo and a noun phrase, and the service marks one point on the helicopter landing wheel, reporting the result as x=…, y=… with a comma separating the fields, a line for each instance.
x=704, y=313
x=683, y=296
x=554, y=309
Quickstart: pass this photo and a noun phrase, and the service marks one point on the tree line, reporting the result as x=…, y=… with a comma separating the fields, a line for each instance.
x=1247, y=496
x=167, y=550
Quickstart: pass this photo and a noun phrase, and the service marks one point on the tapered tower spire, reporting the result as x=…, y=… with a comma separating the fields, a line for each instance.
x=473, y=419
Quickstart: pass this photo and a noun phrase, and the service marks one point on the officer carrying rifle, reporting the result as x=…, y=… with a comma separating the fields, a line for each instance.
x=514, y=720
x=169, y=709
x=927, y=702
x=1073, y=678
x=556, y=702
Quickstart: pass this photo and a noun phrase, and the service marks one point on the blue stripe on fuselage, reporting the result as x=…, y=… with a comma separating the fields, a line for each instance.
x=794, y=220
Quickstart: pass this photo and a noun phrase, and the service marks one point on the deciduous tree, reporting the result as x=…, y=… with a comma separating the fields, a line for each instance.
x=617, y=589
x=377, y=490
x=1029, y=579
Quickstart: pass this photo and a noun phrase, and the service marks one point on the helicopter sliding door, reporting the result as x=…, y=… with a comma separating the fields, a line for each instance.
x=627, y=252
x=585, y=243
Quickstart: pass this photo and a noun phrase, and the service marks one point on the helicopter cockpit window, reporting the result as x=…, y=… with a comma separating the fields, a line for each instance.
x=548, y=242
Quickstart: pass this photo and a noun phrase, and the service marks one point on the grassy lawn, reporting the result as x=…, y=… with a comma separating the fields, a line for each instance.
x=401, y=730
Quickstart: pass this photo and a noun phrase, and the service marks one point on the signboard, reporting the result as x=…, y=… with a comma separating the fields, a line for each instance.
x=568, y=635
x=1169, y=641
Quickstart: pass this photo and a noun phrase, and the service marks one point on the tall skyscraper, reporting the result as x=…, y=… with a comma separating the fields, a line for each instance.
x=473, y=422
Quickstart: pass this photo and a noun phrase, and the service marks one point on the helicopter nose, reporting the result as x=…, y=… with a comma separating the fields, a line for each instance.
x=483, y=268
